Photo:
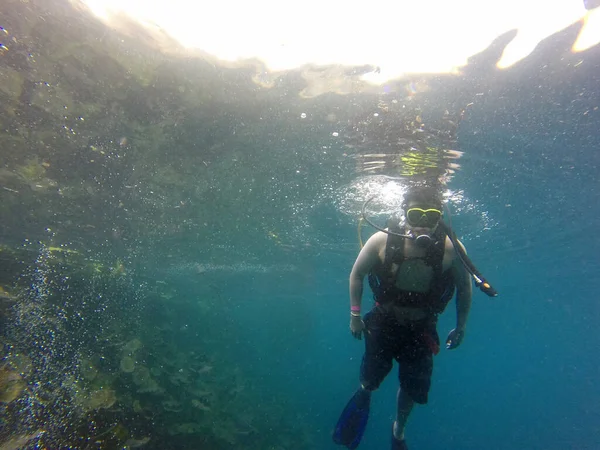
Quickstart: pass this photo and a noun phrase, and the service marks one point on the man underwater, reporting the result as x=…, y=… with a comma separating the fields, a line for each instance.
x=413, y=272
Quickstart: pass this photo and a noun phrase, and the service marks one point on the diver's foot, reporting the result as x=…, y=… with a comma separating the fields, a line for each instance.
x=398, y=444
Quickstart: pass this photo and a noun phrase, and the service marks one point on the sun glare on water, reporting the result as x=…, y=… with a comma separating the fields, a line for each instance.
x=397, y=37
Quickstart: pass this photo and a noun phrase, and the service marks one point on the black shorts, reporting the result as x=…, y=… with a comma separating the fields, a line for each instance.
x=412, y=345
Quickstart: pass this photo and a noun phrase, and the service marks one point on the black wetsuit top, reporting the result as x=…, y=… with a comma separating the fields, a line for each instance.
x=382, y=278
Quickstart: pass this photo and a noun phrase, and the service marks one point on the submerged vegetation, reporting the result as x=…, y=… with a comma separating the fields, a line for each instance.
x=90, y=362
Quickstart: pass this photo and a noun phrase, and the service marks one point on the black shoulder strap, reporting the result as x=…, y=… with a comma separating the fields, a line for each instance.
x=435, y=254
x=394, y=253
x=394, y=248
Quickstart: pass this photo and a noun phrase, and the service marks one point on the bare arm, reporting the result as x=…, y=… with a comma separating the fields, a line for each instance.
x=464, y=291
x=366, y=260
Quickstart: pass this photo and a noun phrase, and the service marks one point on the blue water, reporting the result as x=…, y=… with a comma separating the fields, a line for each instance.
x=525, y=376
x=252, y=237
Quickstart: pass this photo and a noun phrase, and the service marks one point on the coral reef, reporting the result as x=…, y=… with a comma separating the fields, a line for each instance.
x=11, y=384
x=127, y=364
x=102, y=398
x=125, y=379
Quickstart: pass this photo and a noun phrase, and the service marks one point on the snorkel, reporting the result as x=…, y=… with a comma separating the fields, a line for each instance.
x=424, y=240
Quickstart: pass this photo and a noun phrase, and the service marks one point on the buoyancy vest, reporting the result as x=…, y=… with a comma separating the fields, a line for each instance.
x=382, y=278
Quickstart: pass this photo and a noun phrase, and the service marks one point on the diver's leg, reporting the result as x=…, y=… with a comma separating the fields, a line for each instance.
x=416, y=368
x=378, y=359
x=404, y=407
x=376, y=364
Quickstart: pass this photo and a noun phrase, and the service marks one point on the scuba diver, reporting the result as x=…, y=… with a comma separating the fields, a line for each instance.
x=413, y=270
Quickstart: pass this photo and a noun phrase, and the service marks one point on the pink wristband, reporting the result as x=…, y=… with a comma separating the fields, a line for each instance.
x=355, y=308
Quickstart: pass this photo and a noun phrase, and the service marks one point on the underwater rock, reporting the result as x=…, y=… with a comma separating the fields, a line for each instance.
x=132, y=346
x=144, y=381
x=52, y=99
x=11, y=182
x=136, y=443
x=11, y=82
x=88, y=370
x=102, y=398
x=227, y=432
x=204, y=369
x=6, y=304
x=180, y=377
x=33, y=174
x=127, y=364
x=11, y=384
x=118, y=270
x=201, y=393
x=172, y=405
x=199, y=405
x=185, y=428
x=43, y=185
x=5, y=295
x=32, y=170
x=19, y=442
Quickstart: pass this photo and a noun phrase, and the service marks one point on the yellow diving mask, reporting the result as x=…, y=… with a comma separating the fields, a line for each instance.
x=426, y=218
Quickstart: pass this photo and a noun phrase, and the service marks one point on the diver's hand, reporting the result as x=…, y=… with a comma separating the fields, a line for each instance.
x=357, y=326
x=455, y=338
